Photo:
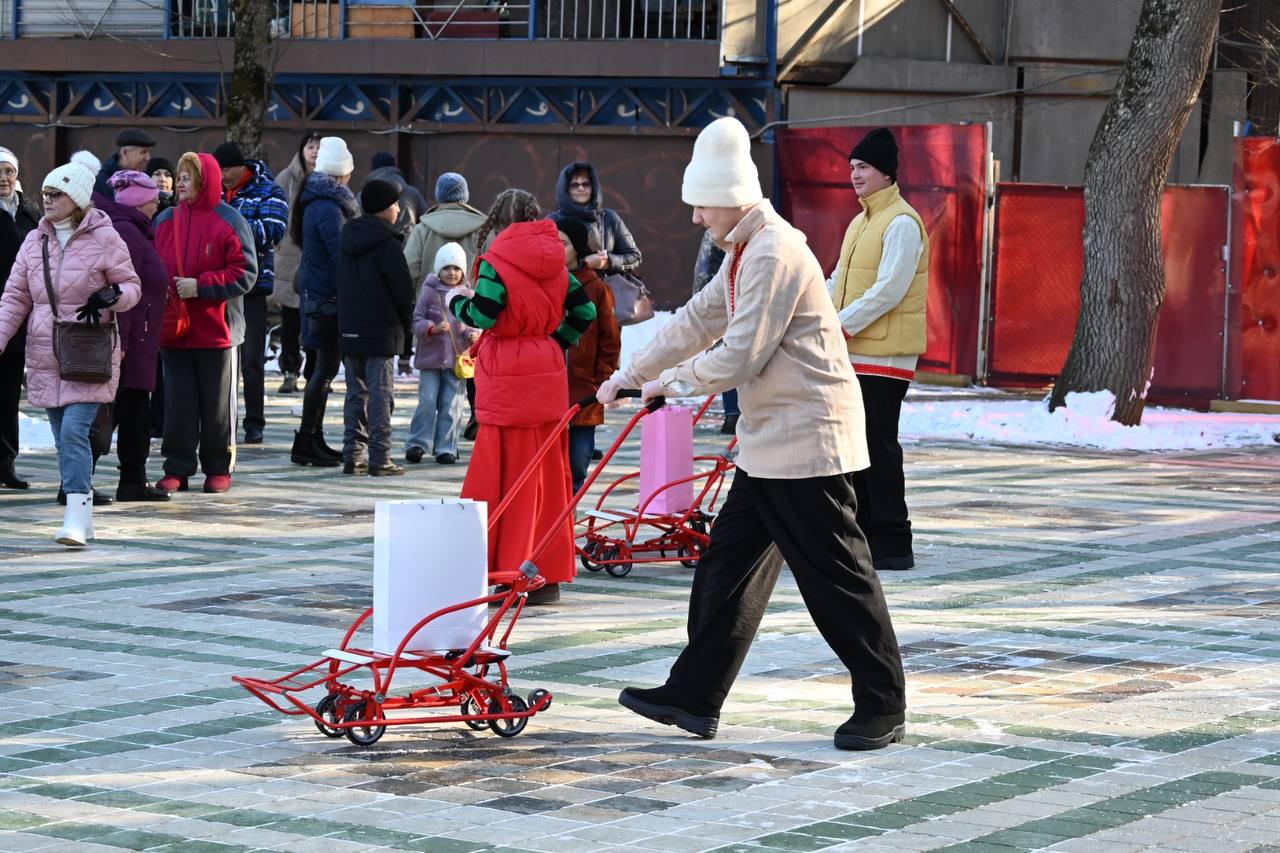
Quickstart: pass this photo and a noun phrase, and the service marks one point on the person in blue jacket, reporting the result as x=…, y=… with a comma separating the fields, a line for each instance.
x=323, y=207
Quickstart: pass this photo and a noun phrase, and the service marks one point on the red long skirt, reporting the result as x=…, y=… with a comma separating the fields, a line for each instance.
x=500, y=456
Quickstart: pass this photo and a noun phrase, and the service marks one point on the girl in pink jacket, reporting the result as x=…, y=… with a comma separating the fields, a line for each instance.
x=92, y=277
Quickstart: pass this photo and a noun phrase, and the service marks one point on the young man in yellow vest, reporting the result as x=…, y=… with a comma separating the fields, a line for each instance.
x=800, y=440
x=879, y=287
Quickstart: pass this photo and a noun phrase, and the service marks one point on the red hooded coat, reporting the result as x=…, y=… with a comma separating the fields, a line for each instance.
x=522, y=390
x=209, y=241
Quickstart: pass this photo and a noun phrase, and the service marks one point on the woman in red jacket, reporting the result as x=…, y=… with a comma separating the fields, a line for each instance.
x=208, y=250
x=531, y=310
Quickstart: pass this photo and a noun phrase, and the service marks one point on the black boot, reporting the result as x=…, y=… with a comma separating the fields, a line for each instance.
x=9, y=478
x=664, y=705
x=871, y=731
x=326, y=449
x=99, y=498
x=307, y=451
x=139, y=492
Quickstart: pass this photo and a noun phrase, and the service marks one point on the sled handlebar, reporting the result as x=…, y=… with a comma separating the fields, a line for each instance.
x=626, y=394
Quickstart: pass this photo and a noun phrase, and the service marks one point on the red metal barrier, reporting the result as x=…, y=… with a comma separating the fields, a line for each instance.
x=1256, y=370
x=942, y=172
x=1035, y=292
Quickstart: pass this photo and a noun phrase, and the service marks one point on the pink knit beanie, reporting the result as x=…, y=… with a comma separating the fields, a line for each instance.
x=134, y=189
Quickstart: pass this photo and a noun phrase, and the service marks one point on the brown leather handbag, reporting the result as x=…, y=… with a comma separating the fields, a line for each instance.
x=84, y=352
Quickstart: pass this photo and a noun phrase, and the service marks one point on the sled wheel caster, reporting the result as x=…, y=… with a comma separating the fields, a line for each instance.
x=469, y=707
x=327, y=708
x=688, y=557
x=588, y=551
x=619, y=569
x=537, y=696
x=508, y=728
x=363, y=735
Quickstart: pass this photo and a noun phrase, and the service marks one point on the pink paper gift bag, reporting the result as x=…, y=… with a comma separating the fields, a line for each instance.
x=666, y=454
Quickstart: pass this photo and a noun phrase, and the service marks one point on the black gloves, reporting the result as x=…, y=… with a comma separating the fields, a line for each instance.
x=101, y=299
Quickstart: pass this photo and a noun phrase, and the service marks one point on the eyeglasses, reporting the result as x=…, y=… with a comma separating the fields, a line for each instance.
x=51, y=195
x=580, y=185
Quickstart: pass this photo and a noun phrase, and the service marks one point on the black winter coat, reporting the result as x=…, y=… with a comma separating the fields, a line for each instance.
x=13, y=230
x=375, y=291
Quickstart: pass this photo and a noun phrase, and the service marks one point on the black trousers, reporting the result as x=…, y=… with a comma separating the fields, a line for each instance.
x=810, y=524
x=157, y=401
x=199, y=411
x=131, y=418
x=882, y=491
x=290, y=340
x=316, y=395
x=12, y=363
x=253, y=358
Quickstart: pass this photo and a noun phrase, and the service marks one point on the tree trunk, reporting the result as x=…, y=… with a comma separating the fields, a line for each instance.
x=252, y=69
x=1124, y=179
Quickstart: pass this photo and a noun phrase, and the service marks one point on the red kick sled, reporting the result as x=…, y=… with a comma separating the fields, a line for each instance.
x=614, y=539
x=472, y=682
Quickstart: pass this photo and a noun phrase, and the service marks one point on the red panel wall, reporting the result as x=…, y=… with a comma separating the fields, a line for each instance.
x=1039, y=261
x=1257, y=374
x=942, y=174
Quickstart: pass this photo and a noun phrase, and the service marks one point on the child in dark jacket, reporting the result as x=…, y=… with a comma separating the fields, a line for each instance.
x=441, y=339
x=375, y=314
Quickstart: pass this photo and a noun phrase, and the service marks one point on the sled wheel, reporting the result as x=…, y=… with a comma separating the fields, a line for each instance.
x=619, y=569
x=363, y=735
x=471, y=706
x=536, y=696
x=508, y=728
x=689, y=557
x=327, y=708
x=588, y=551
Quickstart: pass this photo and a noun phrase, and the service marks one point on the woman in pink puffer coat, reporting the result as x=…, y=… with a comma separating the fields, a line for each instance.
x=92, y=276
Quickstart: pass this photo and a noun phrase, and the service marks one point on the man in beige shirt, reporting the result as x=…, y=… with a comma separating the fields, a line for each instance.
x=801, y=437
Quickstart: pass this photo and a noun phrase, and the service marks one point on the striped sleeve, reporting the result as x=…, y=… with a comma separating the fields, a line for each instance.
x=482, y=310
x=579, y=313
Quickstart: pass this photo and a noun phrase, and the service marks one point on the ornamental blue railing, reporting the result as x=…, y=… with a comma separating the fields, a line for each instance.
x=626, y=20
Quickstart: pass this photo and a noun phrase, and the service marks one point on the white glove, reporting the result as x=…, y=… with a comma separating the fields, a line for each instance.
x=187, y=287
x=651, y=390
x=607, y=393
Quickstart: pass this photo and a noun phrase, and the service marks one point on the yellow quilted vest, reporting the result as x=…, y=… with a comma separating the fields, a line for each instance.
x=902, y=330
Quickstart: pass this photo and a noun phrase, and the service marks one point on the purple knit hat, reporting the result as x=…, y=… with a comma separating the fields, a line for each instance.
x=134, y=189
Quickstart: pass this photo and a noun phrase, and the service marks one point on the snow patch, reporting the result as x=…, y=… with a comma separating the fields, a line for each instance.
x=1084, y=422
x=33, y=433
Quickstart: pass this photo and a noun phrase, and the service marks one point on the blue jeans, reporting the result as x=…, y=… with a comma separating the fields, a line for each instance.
x=582, y=440
x=70, y=425
x=434, y=427
x=730, y=400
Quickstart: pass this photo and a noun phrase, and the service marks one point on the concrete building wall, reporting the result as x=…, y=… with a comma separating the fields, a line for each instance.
x=1056, y=62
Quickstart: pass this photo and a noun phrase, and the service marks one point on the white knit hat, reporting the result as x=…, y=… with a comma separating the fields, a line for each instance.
x=7, y=156
x=721, y=173
x=450, y=255
x=334, y=158
x=86, y=159
x=75, y=180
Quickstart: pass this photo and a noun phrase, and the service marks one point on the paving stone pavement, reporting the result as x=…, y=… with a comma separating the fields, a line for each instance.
x=1092, y=645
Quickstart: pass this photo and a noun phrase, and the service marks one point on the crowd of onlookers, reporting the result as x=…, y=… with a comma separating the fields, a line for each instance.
x=184, y=265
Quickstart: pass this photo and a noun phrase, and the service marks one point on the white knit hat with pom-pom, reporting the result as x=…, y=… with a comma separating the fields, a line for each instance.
x=721, y=173
x=75, y=178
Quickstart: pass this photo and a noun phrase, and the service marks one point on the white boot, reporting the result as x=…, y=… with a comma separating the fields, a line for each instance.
x=89, y=533
x=77, y=521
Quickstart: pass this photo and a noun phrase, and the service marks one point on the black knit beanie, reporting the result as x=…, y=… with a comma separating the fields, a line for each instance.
x=880, y=149
x=579, y=236
x=228, y=155
x=377, y=196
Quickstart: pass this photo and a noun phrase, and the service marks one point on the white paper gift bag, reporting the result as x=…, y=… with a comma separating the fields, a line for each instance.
x=428, y=555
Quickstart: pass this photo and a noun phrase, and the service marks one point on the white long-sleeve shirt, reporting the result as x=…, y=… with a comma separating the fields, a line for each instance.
x=898, y=260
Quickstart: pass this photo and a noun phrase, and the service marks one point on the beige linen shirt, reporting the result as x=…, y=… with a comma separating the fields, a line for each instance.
x=782, y=349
